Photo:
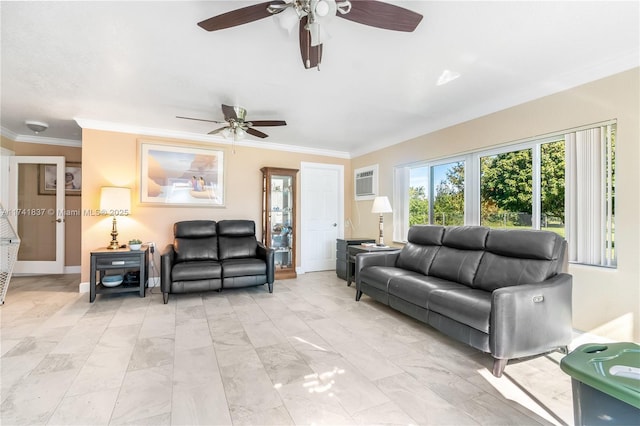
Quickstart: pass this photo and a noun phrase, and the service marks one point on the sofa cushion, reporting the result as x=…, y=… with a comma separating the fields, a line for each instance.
x=200, y=270
x=243, y=267
x=416, y=257
x=456, y=265
x=194, y=249
x=525, y=243
x=195, y=240
x=194, y=229
x=237, y=247
x=379, y=276
x=501, y=271
x=465, y=237
x=467, y=306
x=417, y=288
x=237, y=239
x=238, y=228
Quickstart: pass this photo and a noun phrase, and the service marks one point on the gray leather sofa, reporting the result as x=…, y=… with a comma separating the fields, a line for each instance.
x=206, y=255
x=503, y=292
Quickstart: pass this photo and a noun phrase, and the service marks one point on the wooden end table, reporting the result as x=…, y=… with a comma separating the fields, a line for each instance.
x=126, y=260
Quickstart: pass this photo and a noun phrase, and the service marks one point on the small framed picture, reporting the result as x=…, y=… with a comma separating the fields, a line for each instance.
x=47, y=183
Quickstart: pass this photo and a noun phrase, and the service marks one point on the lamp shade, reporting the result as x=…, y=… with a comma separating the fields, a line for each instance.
x=381, y=205
x=115, y=201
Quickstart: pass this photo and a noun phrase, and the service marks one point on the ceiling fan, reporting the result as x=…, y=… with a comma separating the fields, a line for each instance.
x=313, y=17
x=237, y=126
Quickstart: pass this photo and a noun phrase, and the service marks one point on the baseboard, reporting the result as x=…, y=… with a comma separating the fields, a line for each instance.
x=300, y=270
x=72, y=269
x=153, y=282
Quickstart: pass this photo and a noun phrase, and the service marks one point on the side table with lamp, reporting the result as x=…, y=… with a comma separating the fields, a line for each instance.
x=133, y=264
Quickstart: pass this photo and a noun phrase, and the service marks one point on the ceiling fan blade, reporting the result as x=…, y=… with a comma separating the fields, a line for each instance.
x=238, y=16
x=213, y=132
x=257, y=133
x=199, y=119
x=311, y=55
x=382, y=15
x=229, y=112
x=260, y=123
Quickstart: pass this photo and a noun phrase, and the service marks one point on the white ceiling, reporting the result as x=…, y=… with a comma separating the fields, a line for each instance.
x=134, y=66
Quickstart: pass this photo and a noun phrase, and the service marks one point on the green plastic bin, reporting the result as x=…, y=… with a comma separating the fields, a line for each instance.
x=605, y=380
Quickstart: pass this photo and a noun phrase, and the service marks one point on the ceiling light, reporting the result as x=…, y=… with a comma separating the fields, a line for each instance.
x=36, y=126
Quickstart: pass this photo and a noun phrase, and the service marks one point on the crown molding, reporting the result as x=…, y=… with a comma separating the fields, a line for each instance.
x=39, y=139
x=149, y=131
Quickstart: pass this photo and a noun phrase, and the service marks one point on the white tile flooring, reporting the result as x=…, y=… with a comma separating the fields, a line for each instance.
x=306, y=354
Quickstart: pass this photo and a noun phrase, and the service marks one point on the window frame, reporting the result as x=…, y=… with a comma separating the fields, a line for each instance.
x=472, y=181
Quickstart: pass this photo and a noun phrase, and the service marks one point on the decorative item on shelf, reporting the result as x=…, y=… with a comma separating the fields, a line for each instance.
x=115, y=201
x=381, y=205
x=112, y=280
x=135, y=244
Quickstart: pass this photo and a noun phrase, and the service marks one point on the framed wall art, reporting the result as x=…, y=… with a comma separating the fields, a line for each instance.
x=181, y=175
x=72, y=179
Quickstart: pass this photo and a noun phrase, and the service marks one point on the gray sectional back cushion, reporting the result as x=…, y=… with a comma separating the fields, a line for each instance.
x=195, y=240
x=459, y=257
x=237, y=239
x=423, y=244
x=517, y=257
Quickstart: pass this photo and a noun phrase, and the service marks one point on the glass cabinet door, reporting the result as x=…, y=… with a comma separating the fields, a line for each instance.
x=279, y=218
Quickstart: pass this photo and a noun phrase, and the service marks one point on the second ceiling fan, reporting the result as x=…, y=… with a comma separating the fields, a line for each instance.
x=237, y=126
x=313, y=15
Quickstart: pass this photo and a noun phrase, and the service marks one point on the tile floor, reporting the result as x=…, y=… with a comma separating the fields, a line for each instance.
x=306, y=354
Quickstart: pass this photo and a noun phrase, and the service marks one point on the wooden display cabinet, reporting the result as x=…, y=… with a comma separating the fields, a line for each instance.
x=279, y=218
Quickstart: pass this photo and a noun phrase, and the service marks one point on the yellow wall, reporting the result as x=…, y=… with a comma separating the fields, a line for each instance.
x=605, y=301
x=72, y=223
x=113, y=159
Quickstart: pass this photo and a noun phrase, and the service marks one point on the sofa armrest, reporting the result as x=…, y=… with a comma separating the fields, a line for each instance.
x=363, y=260
x=167, y=258
x=531, y=319
x=267, y=254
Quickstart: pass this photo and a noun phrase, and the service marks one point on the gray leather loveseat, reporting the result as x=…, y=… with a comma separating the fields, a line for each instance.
x=500, y=291
x=206, y=255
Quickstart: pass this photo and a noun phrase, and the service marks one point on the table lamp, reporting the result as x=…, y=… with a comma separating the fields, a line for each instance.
x=381, y=205
x=115, y=201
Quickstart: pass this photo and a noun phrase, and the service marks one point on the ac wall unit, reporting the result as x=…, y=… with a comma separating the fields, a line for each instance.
x=366, y=182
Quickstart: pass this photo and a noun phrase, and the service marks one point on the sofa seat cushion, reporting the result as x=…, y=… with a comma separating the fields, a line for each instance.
x=467, y=306
x=200, y=270
x=379, y=276
x=416, y=288
x=243, y=267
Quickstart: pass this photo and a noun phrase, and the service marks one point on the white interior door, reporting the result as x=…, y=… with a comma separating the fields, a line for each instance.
x=36, y=211
x=322, y=214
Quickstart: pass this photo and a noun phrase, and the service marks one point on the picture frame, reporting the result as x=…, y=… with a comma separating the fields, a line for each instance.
x=47, y=179
x=181, y=175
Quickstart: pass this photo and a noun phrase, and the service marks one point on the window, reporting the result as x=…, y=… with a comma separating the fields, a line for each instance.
x=563, y=183
x=506, y=189
x=448, y=193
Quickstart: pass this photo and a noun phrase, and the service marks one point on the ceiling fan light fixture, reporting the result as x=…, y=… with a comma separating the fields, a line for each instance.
x=36, y=126
x=322, y=8
x=288, y=20
x=239, y=133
